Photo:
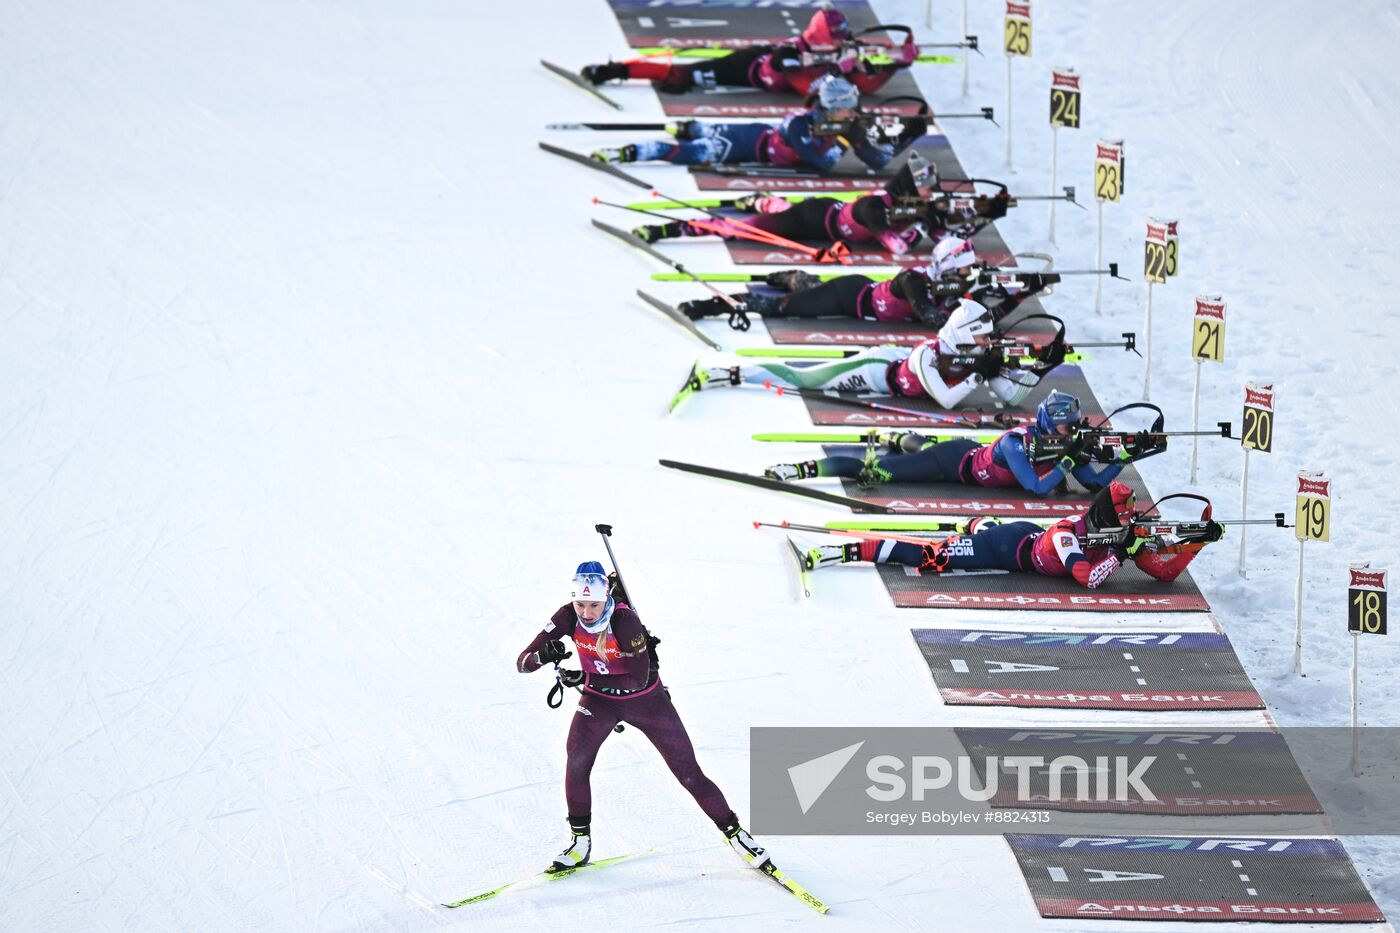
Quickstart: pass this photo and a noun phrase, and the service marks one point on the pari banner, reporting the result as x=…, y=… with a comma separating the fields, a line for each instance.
x=966, y=781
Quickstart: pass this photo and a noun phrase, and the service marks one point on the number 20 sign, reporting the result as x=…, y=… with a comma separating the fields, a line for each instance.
x=1258, y=417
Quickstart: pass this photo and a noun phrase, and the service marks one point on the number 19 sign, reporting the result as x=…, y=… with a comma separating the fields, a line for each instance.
x=1312, y=520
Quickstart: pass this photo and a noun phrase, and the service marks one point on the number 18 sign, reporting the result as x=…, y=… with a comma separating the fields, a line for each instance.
x=1366, y=601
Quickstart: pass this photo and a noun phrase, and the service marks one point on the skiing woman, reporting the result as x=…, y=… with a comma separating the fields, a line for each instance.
x=946, y=368
x=620, y=683
x=1036, y=457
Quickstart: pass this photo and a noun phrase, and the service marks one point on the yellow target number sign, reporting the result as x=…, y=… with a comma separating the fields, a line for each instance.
x=1312, y=515
x=1108, y=170
x=1017, y=31
x=1208, y=329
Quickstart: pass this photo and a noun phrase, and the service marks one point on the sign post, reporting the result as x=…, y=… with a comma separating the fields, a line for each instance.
x=1108, y=186
x=1016, y=33
x=1258, y=434
x=1366, y=615
x=1158, y=264
x=1064, y=111
x=1207, y=343
x=1312, y=521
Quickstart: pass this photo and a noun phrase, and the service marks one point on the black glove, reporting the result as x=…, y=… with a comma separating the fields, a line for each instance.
x=552, y=651
x=990, y=364
x=1054, y=355
x=914, y=127
x=571, y=678
x=1214, y=531
x=1078, y=450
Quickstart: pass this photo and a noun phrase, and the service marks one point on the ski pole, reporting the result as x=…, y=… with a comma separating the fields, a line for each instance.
x=738, y=320
x=864, y=536
x=759, y=234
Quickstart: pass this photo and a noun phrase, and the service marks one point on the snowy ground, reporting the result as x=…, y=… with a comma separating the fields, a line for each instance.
x=314, y=382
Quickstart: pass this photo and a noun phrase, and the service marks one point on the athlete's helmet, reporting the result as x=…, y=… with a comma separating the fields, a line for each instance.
x=836, y=93
x=826, y=31
x=922, y=172
x=1058, y=408
x=967, y=321
x=1113, y=507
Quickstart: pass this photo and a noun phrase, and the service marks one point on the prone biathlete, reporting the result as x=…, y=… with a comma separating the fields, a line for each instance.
x=620, y=683
x=924, y=294
x=788, y=67
x=800, y=139
x=878, y=217
x=1025, y=547
x=946, y=368
x=1015, y=459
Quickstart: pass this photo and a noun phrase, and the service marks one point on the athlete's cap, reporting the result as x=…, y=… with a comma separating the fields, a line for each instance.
x=590, y=583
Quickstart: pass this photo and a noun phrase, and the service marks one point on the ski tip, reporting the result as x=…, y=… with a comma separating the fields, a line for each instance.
x=758, y=524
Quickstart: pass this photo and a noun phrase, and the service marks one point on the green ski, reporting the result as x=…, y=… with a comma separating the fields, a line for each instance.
x=817, y=437
x=549, y=874
x=801, y=560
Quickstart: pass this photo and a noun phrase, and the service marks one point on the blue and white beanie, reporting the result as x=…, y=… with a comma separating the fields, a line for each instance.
x=590, y=583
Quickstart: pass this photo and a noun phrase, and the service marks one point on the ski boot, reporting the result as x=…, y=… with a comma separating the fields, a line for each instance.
x=650, y=233
x=580, y=847
x=689, y=129
x=700, y=377
x=906, y=442
x=980, y=523
x=740, y=841
x=627, y=153
x=936, y=556
x=707, y=307
x=786, y=472
x=761, y=202
x=792, y=280
x=871, y=473
x=828, y=555
x=601, y=74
